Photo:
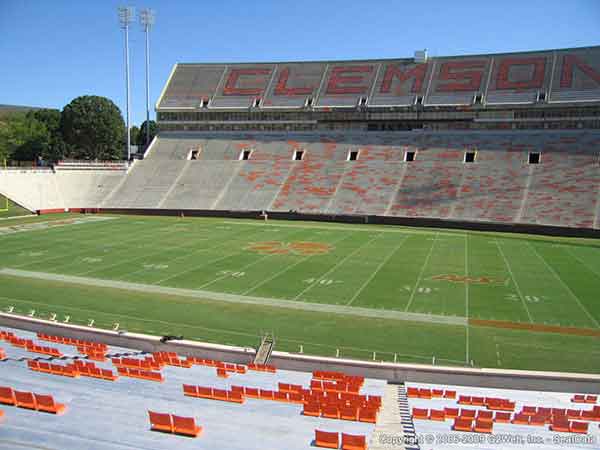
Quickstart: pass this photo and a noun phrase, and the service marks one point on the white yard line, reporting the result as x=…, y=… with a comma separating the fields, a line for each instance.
x=422, y=271
x=352, y=227
x=227, y=242
x=467, y=297
x=238, y=269
x=512, y=276
x=572, y=253
x=285, y=269
x=201, y=296
x=567, y=288
x=332, y=269
x=379, y=267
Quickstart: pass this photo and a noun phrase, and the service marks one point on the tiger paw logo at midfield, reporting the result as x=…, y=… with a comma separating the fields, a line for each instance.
x=453, y=278
x=287, y=248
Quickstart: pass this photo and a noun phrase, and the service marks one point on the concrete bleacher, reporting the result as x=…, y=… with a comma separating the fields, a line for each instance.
x=500, y=186
x=473, y=400
x=105, y=414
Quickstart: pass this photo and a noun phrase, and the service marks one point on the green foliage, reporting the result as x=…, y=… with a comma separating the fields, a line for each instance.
x=93, y=128
x=134, y=135
x=23, y=138
x=141, y=142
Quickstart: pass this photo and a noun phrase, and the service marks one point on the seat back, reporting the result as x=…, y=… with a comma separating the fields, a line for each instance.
x=160, y=421
x=46, y=401
x=25, y=399
x=190, y=390
x=353, y=440
x=327, y=437
x=183, y=423
x=7, y=395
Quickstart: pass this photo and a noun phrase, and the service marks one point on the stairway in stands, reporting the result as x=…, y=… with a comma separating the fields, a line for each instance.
x=394, y=428
x=264, y=351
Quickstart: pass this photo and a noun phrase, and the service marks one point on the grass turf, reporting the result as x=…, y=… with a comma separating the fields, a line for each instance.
x=516, y=278
x=11, y=209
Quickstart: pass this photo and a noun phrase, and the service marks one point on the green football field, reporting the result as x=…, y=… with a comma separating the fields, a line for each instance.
x=369, y=292
x=10, y=209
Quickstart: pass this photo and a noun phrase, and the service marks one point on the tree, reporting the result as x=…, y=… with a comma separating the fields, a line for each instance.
x=93, y=127
x=23, y=138
x=141, y=142
x=134, y=135
x=57, y=148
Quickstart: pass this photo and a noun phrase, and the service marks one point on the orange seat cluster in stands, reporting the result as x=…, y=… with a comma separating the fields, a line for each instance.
x=148, y=363
x=74, y=370
x=141, y=374
x=30, y=400
x=2, y=354
x=227, y=367
x=413, y=392
x=578, y=398
x=171, y=359
x=262, y=368
x=233, y=396
x=170, y=423
x=28, y=344
x=93, y=350
x=328, y=439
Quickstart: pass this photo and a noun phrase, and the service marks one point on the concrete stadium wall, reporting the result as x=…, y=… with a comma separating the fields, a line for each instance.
x=359, y=219
x=394, y=373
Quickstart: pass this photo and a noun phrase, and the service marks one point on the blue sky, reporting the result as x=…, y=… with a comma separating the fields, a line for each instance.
x=52, y=51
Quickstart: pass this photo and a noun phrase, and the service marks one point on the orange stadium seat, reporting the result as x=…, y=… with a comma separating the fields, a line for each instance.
x=46, y=403
x=419, y=413
x=483, y=426
x=7, y=396
x=462, y=424
x=160, y=422
x=353, y=442
x=327, y=439
x=25, y=400
x=437, y=415
x=186, y=426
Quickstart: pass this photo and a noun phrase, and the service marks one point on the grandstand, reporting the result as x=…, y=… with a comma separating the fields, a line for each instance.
x=505, y=139
x=380, y=337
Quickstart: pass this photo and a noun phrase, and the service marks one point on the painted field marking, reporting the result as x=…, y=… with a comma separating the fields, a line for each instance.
x=200, y=295
x=572, y=253
x=196, y=267
x=285, y=269
x=108, y=233
x=170, y=260
x=467, y=298
x=241, y=269
x=420, y=276
x=512, y=276
x=341, y=262
x=379, y=267
x=323, y=282
x=350, y=229
x=551, y=270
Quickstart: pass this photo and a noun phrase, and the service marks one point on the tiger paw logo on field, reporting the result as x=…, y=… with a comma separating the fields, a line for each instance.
x=453, y=278
x=287, y=248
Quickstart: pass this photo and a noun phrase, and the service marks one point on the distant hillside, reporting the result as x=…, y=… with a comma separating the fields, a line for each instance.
x=5, y=110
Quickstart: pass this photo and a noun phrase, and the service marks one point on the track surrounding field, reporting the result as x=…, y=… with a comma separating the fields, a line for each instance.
x=407, y=277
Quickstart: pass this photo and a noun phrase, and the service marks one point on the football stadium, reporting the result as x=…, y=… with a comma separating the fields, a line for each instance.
x=380, y=253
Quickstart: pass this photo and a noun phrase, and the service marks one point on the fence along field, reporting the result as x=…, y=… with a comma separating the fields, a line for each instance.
x=516, y=287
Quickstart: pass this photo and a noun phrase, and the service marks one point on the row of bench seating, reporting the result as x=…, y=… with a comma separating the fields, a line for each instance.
x=413, y=392
x=80, y=343
x=549, y=414
x=29, y=345
x=148, y=363
x=210, y=393
x=493, y=403
x=336, y=386
x=30, y=400
x=470, y=425
x=73, y=370
x=262, y=368
x=578, y=398
x=141, y=374
x=328, y=439
x=170, y=423
x=367, y=415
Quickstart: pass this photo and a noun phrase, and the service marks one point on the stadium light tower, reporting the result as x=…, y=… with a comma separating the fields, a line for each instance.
x=126, y=14
x=147, y=20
